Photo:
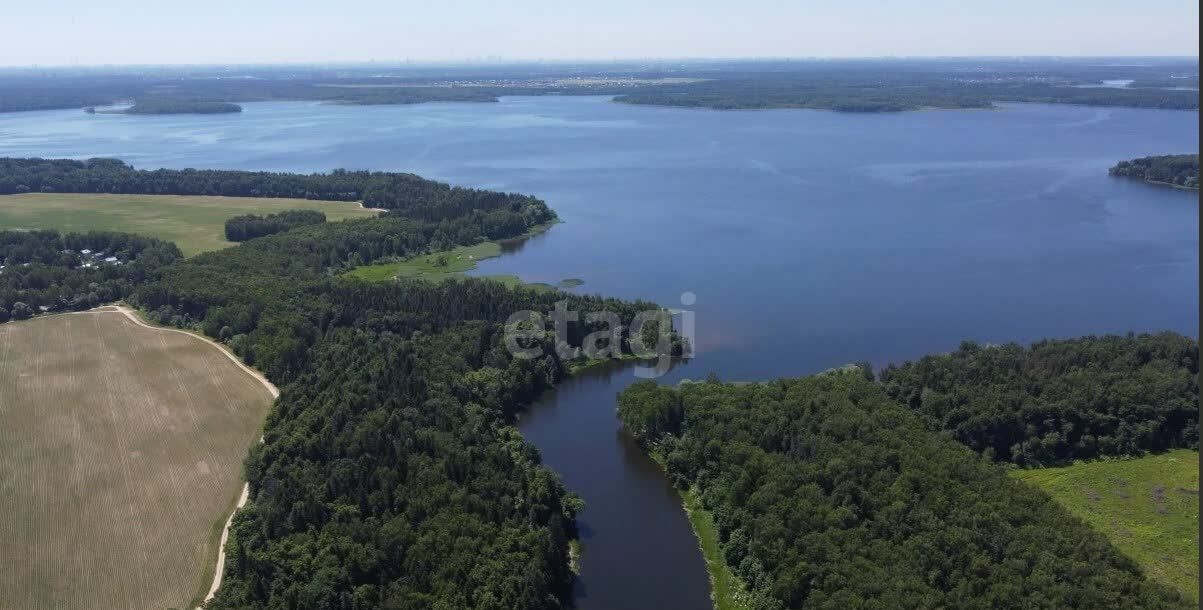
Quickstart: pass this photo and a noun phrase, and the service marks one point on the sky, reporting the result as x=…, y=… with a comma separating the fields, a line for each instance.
x=99, y=32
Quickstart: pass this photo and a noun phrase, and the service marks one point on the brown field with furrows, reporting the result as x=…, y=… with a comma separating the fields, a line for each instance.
x=121, y=450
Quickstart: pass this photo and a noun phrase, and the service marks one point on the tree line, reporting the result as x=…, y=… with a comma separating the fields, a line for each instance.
x=250, y=226
x=401, y=194
x=1058, y=400
x=845, y=85
x=826, y=493
x=1176, y=170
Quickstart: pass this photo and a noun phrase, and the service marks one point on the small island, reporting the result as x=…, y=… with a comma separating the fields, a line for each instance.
x=170, y=107
x=1181, y=171
x=181, y=107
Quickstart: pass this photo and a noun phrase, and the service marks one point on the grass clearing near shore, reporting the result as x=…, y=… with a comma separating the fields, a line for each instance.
x=437, y=266
x=1148, y=507
x=195, y=223
x=454, y=263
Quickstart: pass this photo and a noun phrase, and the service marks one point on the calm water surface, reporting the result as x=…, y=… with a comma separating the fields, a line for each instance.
x=810, y=239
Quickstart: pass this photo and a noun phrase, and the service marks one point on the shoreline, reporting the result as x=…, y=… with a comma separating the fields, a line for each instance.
x=1169, y=184
x=726, y=588
x=457, y=262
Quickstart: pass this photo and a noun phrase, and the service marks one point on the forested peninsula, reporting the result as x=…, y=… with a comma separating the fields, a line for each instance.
x=389, y=474
x=1172, y=170
x=839, y=490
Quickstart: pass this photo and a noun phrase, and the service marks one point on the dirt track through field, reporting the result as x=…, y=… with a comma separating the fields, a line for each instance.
x=121, y=448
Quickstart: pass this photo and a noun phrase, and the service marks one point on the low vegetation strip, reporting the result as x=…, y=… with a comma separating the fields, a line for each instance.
x=121, y=452
x=1148, y=507
x=195, y=223
x=726, y=590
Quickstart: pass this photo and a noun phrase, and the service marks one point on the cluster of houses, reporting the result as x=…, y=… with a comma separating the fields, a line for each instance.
x=93, y=259
x=87, y=257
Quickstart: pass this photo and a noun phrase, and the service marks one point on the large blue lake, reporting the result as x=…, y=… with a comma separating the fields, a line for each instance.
x=810, y=239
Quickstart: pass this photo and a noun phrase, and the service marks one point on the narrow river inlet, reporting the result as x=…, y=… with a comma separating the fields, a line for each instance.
x=638, y=550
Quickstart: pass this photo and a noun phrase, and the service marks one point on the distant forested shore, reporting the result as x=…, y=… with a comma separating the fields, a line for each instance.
x=844, y=86
x=1173, y=170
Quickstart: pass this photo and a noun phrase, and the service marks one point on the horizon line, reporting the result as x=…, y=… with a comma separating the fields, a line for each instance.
x=502, y=61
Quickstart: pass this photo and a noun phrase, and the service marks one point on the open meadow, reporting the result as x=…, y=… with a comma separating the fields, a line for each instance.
x=455, y=263
x=195, y=223
x=1147, y=507
x=120, y=460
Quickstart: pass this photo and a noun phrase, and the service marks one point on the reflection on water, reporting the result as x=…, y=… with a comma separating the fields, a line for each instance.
x=515, y=245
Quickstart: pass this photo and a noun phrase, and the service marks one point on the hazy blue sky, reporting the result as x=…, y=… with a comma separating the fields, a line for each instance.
x=235, y=31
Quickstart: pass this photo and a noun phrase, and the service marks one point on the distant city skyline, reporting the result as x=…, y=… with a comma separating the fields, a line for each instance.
x=123, y=32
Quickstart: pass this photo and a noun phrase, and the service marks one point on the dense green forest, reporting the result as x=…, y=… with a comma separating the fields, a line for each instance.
x=1060, y=400
x=389, y=475
x=842, y=85
x=158, y=106
x=1176, y=170
x=250, y=226
x=45, y=271
x=828, y=494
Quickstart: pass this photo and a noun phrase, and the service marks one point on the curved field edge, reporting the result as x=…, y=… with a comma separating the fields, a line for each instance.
x=218, y=539
x=1148, y=507
x=220, y=533
x=130, y=401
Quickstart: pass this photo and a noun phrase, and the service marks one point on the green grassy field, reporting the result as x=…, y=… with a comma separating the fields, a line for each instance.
x=1147, y=507
x=452, y=264
x=195, y=224
x=122, y=458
